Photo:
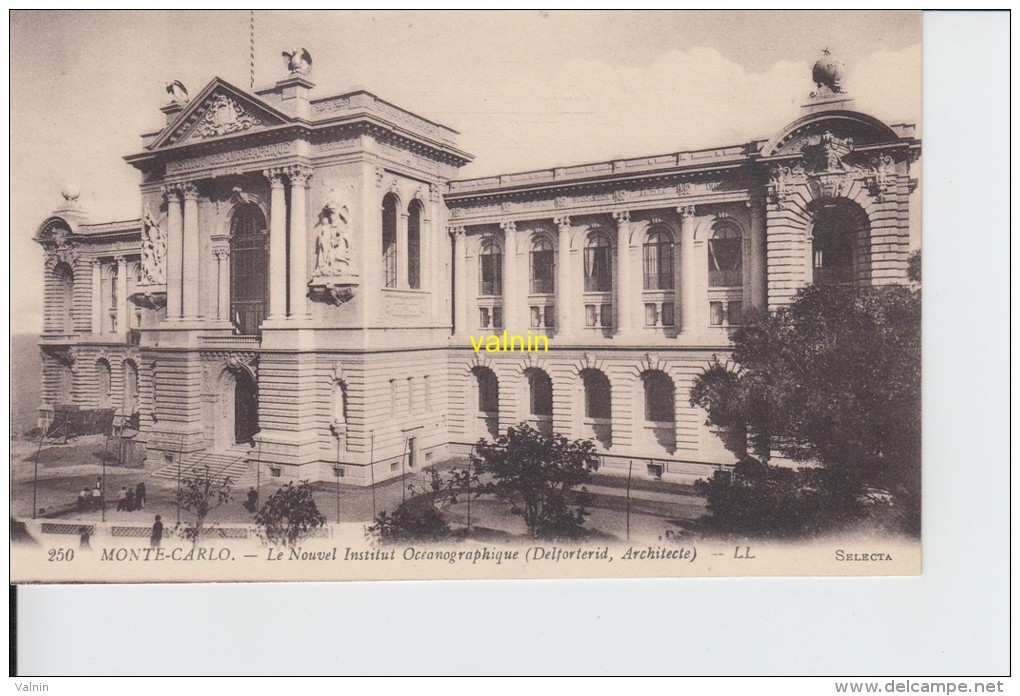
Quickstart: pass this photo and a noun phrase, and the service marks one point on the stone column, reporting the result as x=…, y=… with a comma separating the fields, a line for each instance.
x=759, y=264
x=222, y=283
x=459, y=282
x=688, y=300
x=174, y=247
x=299, y=177
x=190, y=257
x=97, y=297
x=122, y=301
x=438, y=244
x=277, y=245
x=402, y=217
x=511, y=290
x=625, y=307
x=564, y=319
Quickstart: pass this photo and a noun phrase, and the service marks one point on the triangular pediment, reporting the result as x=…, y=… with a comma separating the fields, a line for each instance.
x=219, y=110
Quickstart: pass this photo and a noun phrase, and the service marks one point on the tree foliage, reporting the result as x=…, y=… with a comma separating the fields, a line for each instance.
x=200, y=493
x=289, y=515
x=833, y=379
x=416, y=519
x=540, y=477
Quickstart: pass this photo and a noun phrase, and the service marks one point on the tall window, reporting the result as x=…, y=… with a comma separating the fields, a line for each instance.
x=488, y=390
x=104, y=388
x=542, y=273
x=659, y=397
x=414, y=221
x=490, y=269
x=249, y=269
x=540, y=393
x=389, y=240
x=111, y=299
x=339, y=402
x=598, y=263
x=64, y=277
x=725, y=254
x=597, y=394
x=658, y=261
x=833, y=246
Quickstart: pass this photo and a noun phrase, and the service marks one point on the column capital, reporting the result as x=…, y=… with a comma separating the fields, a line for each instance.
x=170, y=191
x=434, y=191
x=686, y=211
x=299, y=174
x=275, y=175
x=120, y=259
x=755, y=203
x=189, y=191
x=509, y=226
x=621, y=216
x=456, y=231
x=562, y=221
x=97, y=263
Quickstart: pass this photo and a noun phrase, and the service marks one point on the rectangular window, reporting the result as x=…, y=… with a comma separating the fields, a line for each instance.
x=650, y=314
x=536, y=317
x=598, y=269
x=607, y=315
x=734, y=313
x=667, y=314
x=497, y=317
x=715, y=313
x=491, y=274
x=542, y=271
x=589, y=315
x=483, y=317
x=550, y=316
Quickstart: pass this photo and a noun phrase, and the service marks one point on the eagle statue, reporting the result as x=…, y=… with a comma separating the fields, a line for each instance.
x=299, y=61
x=178, y=93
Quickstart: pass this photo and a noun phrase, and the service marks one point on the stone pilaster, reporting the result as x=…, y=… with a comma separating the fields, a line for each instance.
x=402, y=217
x=688, y=286
x=190, y=257
x=174, y=249
x=277, y=245
x=564, y=319
x=459, y=281
x=299, y=177
x=758, y=265
x=511, y=292
x=122, y=301
x=97, y=297
x=625, y=306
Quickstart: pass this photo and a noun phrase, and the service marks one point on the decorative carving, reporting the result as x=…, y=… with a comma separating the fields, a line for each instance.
x=299, y=175
x=434, y=192
x=825, y=153
x=153, y=251
x=178, y=93
x=781, y=179
x=455, y=232
x=333, y=239
x=509, y=226
x=63, y=249
x=883, y=168
x=622, y=216
x=562, y=221
x=686, y=211
x=380, y=174
x=684, y=189
x=299, y=61
x=225, y=116
x=238, y=196
x=275, y=175
x=189, y=191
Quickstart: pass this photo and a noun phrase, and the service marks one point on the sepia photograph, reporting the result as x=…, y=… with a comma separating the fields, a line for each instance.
x=322, y=296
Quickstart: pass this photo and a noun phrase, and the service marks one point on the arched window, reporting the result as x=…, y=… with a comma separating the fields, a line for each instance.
x=660, y=399
x=725, y=256
x=540, y=393
x=389, y=240
x=339, y=402
x=488, y=391
x=249, y=269
x=490, y=269
x=597, y=394
x=542, y=273
x=130, y=398
x=658, y=260
x=110, y=299
x=103, y=384
x=833, y=235
x=414, y=223
x=64, y=279
x=598, y=263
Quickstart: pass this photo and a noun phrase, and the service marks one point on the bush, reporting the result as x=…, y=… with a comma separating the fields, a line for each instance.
x=771, y=501
x=289, y=515
x=413, y=520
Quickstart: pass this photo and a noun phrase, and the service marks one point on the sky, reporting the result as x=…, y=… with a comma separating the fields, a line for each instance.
x=526, y=89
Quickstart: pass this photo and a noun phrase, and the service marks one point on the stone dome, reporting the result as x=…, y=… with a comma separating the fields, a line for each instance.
x=828, y=72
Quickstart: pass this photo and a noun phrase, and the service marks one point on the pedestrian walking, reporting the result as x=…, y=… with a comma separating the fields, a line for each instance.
x=157, y=533
x=83, y=499
x=252, y=503
x=130, y=504
x=122, y=498
x=140, y=495
x=97, y=498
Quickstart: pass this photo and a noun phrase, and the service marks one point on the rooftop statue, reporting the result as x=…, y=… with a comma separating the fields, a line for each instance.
x=299, y=61
x=828, y=75
x=178, y=93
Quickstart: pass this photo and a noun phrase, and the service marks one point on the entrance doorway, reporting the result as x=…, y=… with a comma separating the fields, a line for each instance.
x=246, y=407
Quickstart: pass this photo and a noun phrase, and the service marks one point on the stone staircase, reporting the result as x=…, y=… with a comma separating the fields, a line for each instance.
x=232, y=463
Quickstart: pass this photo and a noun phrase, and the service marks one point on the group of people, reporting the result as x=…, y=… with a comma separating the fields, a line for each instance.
x=128, y=500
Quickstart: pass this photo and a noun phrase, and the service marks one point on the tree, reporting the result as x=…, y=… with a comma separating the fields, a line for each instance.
x=536, y=476
x=419, y=518
x=200, y=493
x=289, y=515
x=834, y=379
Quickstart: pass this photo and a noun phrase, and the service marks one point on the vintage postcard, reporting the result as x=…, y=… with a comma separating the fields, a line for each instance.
x=411, y=295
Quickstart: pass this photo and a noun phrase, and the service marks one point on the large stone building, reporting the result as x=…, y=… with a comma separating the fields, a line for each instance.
x=308, y=273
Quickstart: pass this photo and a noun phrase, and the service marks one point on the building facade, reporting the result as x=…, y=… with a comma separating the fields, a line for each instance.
x=309, y=280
